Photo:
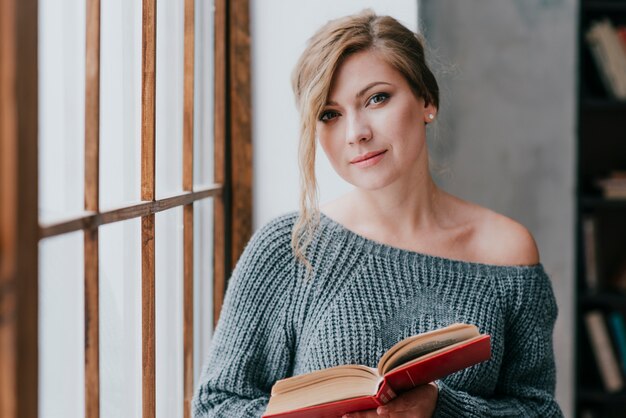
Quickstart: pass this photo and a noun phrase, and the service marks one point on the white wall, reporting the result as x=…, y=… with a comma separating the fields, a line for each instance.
x=279, y=31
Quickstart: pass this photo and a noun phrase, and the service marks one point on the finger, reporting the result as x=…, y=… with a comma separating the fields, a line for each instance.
x=405, y=401
x=407, y=414
x=417, y=402
x=370, y=413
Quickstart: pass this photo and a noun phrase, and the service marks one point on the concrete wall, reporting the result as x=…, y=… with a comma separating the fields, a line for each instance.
x=506, y=134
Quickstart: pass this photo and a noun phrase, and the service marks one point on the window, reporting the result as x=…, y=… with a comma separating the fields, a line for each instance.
x=125, y=186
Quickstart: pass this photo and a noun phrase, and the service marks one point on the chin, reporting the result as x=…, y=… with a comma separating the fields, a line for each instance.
x=369, y=184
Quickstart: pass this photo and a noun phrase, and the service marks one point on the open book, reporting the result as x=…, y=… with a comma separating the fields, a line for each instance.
x=416, y=360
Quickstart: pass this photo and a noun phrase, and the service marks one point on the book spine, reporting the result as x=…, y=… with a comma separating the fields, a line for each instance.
x=619, y=332
x=618, y=281
x=587, y=413
x=617, y=56
x=604, y=44
x=605, y=357
x=385, y=393
x=591, y=255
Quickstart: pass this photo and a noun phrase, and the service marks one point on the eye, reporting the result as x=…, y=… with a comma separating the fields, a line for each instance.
x=378, y=98
x=328, y=115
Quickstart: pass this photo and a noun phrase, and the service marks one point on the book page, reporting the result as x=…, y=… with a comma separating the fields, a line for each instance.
x=313, y=378
x=421, y=344
x=337, y=388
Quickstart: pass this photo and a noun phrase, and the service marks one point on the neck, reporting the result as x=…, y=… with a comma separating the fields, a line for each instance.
x=405, y=207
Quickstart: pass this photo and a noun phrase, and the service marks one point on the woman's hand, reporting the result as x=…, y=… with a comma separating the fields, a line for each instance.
x=416, y=403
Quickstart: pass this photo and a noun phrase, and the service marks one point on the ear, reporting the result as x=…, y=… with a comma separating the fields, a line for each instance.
x=429, y=113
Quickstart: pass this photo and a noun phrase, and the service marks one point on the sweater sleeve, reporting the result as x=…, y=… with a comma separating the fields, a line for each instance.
x=527, y=377
x=251, y=346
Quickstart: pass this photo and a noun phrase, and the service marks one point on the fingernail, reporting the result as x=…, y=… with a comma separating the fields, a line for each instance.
x=382, y=410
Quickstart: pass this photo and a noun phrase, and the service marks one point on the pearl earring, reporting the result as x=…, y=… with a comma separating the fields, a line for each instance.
x=431, y=116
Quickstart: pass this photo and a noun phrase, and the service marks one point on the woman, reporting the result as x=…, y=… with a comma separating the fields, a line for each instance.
x=396, y=256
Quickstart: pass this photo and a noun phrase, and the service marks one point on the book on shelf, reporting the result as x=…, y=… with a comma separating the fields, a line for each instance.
x=587, y=413
x=416, y=360
x=604, y=354
x=609, y=55
x=618, y=329
x=613, y=186
x=618, y=280
x=590, y=244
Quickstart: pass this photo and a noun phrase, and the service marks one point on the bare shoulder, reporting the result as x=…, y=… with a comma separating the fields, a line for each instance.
x=504, y=241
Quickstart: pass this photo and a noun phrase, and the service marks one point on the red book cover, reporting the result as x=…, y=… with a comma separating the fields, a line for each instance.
x=402, y=379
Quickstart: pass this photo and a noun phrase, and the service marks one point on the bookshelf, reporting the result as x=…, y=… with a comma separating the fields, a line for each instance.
x=601, y=142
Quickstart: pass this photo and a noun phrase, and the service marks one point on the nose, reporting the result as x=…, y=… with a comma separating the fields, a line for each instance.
x=358, y=129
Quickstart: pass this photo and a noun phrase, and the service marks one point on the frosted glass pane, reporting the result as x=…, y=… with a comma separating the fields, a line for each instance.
x=203, y=282
x=169, y=313
x=61, y=108
x=120, y=103
x=61, y=327
x=203, y=94
x=169, y=98
x=120, y=320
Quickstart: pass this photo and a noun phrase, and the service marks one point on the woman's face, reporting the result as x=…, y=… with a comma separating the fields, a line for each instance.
x=373, y=127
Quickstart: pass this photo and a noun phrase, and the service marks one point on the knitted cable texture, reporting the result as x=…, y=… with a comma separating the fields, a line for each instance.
x=362, y=298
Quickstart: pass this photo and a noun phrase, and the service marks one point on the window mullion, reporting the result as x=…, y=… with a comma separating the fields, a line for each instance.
x=19, y=293
x=92, y=163
x=188, y=220
x=148, y=91
x=220, y=212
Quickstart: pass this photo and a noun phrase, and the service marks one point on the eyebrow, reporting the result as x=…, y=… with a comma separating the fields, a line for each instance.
x=362, y=92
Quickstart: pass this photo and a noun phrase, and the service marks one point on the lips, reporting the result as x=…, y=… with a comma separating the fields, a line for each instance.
x=367, y=156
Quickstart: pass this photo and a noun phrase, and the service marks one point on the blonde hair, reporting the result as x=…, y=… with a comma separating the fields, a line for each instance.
x=311, y=80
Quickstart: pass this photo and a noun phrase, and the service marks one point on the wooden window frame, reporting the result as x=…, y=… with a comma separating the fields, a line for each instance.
x=21, y=231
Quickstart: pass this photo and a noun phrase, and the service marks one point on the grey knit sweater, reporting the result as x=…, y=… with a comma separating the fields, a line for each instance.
x=363, y=297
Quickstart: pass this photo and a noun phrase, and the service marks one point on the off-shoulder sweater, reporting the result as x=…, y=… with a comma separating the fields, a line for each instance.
x=363, y=297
